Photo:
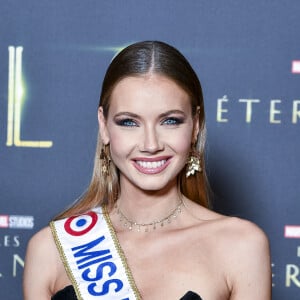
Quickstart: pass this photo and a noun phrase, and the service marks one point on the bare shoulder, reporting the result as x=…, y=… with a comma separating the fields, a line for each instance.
x=241, y=250
x=42, y=238
x=228, y=229
x=41, y=265
x=249, y=263
x=249, y=249
x=239, y=235
x=42, y=246
x=244, y=256
x=231, y=239
x=243, y=231
x=249, y=242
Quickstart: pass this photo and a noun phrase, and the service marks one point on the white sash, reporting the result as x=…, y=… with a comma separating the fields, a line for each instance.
x=93, y=258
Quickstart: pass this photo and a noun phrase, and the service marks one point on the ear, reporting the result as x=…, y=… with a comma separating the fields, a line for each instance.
x=102, y=126
x=196, y=125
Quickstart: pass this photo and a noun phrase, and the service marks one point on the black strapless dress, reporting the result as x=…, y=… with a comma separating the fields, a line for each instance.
x=68, y=293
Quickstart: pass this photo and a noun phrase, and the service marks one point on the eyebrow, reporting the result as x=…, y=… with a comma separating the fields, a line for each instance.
x=170, y=112
x=165, y=114
x=126, y=113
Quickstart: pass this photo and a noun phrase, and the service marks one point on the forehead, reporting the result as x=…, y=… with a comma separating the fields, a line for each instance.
x=151, y=92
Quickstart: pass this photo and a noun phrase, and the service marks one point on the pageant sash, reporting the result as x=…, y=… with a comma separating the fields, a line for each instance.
x=93, y=258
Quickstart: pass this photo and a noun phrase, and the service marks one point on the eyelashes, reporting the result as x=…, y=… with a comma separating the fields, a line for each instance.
x=170, y=121
x=173, y=121
x=126, y=122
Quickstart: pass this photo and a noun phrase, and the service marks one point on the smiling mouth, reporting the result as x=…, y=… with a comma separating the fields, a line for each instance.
x=151, y=166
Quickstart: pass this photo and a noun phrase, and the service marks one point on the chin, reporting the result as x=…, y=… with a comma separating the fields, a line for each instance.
x=156, y=185
x=154, y=182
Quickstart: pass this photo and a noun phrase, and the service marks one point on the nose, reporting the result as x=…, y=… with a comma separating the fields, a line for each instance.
x=151, y=142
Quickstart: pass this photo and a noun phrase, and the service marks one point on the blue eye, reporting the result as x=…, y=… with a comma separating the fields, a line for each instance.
x=127, y=123
x=172, y=121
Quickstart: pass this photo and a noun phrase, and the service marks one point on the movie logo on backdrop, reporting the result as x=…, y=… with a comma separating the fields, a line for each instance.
x=292, y=266
x=293, y=269
x=293, y=231
x=10, y=242
x=275, y=110
x=250, y=105
x=16, y=102
x=16, y=222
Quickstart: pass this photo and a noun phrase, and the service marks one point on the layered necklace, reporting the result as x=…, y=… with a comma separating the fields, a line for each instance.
x=146, y=227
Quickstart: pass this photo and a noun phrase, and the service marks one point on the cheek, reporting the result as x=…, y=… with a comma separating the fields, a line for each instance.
x=120, y=145
x=116, y=144
x=181, y=141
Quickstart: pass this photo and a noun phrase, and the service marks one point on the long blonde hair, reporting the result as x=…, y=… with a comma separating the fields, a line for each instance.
x=136, y=60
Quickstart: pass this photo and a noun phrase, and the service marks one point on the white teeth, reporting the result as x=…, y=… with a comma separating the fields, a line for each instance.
x=151, y=164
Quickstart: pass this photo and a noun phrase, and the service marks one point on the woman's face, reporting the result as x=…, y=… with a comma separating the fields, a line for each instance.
x=150, y=129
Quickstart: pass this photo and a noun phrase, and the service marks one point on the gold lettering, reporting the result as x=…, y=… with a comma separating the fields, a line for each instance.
x=274, y=111
x=17, y=260
x=249, y=108
x=16, y=96
x=11, y=91
x=292, y=271
x=221, y=110
x=296, y=111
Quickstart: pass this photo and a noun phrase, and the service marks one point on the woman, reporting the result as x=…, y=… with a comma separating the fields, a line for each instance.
x=143, y=230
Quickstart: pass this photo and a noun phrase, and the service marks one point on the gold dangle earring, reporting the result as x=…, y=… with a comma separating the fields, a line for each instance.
x=193, y=162
x=105, y=162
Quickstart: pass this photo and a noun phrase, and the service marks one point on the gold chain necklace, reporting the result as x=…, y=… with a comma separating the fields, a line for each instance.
x=146, y=227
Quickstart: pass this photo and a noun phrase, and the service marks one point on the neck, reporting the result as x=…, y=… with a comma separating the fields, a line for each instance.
x=147, y=206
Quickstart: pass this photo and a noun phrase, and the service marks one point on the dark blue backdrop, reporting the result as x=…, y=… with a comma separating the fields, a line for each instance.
x=240, y=50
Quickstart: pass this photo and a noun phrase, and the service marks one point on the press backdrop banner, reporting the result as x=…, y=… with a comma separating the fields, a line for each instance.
x=53, y=55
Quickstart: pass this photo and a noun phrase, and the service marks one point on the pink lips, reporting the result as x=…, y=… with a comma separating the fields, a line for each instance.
x=151, y=165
